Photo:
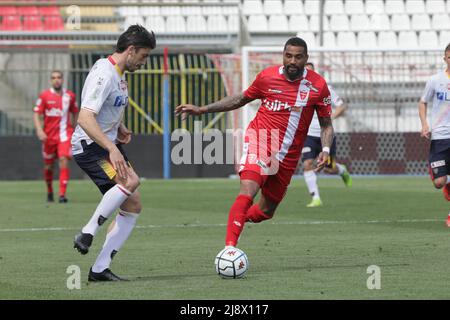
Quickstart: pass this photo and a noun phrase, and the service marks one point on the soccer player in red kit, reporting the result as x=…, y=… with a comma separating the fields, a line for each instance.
x=290, y=94
x=55, y=105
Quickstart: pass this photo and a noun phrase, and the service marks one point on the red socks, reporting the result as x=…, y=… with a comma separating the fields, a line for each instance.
x=236, y=219
x=64, y=174
x=255, y=214
x=48, y=176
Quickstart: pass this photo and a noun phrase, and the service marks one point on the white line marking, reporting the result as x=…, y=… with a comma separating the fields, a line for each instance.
x=312, y=222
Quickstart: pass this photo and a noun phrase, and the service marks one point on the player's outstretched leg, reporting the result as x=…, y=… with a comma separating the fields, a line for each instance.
x=110, y=202
x=311, y=183
x=119, y=231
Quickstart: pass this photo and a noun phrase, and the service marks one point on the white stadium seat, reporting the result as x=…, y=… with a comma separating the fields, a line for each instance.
x=217, y=23
x=298, y=23
x=400, y=22
x=435, y=6
x=367, y=40
x=233, y=23
x=150, y=11
x=329, y=39
x=171, y=11
x=339, y=22
x=196, y=23
x=440, y=21
x=273, y=7
x=332, y=7
x=257, y=23
x=314, y=23
x=155, y=23
x=375, y=7
x=387, y=40
x=278, y=22
x=359, y=22
x=175, y=24
x=407, y=39
x=415, y=6
x=428, y=39
x=379, y=22
x=311, y=7
x=252, y=7
x=210, y=10
x=444, y=39
x=191, y=10
x=420, y=21
x=354, y=7
x=293, y=7
x=394, y=6
x=346, y=40
x=309, y=38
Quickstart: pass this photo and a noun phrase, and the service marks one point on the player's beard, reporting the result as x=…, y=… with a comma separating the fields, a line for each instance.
x=294, y=73
x=57, y=88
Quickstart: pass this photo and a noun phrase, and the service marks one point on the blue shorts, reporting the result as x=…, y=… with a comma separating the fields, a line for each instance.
x=439, y=158
x=313, y=147
x=94, y=160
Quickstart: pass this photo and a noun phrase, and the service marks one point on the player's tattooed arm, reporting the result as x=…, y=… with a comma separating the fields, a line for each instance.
x=326, y=136
x=327, y=131
x=226, y=104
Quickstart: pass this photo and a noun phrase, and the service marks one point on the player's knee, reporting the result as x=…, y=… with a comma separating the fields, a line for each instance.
x=132, y=205
x=132, y=183
x=308, y=165
x=439, y=183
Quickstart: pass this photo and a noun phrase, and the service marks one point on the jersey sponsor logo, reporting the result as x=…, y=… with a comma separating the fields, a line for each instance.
x=121, y=101
x=53, y=112
x=443, y=96
x=437, y=164
x=276, y=105
x=275, y=91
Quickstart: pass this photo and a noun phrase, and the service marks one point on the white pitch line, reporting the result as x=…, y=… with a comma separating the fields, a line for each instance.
x=318, y=222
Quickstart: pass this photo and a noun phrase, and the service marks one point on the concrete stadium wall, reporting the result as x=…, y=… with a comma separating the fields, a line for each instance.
x=363, y=153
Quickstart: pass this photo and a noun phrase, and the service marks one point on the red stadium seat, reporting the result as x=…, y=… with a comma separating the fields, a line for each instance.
x=8, y=11
x=49, y=11
x=11, y=23
x=53, y=23
x=32, y=23
x=27, y=11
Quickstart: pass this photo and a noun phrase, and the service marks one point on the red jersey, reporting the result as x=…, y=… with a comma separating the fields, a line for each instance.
x=56, y=109
x=287, y=107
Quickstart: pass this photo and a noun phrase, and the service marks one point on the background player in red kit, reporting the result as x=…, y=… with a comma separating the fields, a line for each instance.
x=55, y=105
x=290, y=94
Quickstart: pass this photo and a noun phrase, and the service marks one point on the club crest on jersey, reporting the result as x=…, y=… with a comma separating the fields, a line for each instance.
x=123, y=85
x=303, y=93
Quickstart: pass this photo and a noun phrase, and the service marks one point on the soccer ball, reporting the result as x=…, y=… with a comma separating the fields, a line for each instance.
x=231, y=263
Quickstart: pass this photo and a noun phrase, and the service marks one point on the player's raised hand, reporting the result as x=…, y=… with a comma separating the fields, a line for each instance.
x=322, y=161
x=187, y=109
x=425, y=133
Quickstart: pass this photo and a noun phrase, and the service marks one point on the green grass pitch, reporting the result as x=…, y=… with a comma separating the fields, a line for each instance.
x=396, y=223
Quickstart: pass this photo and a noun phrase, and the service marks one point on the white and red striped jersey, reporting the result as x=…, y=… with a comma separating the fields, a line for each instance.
x=288, y=107
x=56, y=109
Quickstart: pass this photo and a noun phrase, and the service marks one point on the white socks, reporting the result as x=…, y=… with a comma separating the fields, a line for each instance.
x=311, y=183
x=123, y=225
x=341, y=168
x=110, y=202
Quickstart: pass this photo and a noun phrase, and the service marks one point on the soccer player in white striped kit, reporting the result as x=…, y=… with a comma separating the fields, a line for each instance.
x=97, y=147
x=437, y=92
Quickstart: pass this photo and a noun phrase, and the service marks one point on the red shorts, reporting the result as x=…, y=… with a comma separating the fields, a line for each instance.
x=52, y=149
x=272, y=176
